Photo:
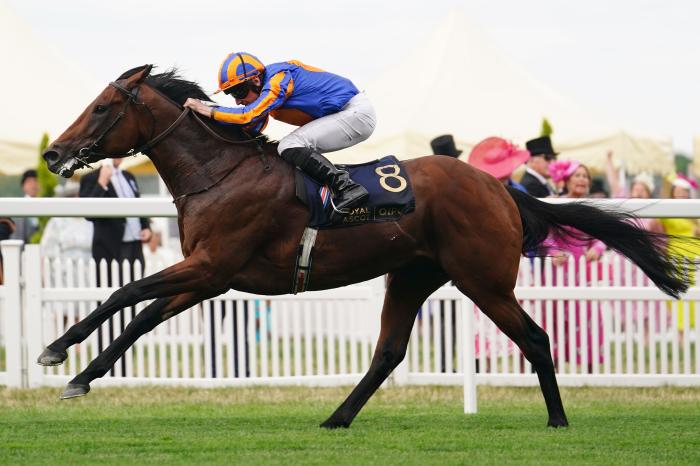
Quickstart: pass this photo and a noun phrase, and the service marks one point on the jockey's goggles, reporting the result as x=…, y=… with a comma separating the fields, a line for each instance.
x=239, y=91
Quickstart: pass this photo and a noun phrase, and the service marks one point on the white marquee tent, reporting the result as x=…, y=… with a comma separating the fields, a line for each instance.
x=459, y=82
x=456, y=82
x=41, y=92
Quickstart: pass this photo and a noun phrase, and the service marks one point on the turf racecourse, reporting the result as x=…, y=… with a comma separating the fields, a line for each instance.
x=417, y=425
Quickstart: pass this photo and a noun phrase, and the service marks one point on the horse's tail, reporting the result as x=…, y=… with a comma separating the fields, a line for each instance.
x=616, y=229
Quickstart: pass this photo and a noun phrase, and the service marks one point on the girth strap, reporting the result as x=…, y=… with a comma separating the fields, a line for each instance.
x=302, y=267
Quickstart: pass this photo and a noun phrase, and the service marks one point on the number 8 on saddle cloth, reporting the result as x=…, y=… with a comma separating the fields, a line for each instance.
x=390, y=195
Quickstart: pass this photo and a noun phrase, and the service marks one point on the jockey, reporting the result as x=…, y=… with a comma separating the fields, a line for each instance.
x=329, y=110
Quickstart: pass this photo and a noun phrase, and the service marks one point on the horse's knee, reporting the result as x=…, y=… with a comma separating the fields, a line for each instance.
x=131, y=292
x=387, y=359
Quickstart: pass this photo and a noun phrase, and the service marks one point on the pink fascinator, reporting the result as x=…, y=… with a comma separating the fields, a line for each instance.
x=683, y=181
x=561, y=170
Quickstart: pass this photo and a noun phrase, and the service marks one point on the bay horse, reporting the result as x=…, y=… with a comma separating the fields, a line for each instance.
x=240, y=226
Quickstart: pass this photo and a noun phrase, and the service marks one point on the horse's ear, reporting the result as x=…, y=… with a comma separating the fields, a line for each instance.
x=136, y=75
x=146, y=71
x=142, y=74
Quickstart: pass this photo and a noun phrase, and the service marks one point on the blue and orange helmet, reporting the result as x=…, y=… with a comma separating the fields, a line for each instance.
x=237, y=68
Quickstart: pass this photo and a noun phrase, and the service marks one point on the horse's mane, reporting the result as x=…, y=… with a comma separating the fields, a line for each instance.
x=178, y=89
x=175, y=87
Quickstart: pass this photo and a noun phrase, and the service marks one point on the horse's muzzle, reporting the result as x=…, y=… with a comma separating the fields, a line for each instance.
x=55, y=163
x=51, y=157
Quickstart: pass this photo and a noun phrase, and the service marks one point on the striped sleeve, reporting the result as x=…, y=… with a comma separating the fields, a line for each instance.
x=272, y=96
x=257, y=126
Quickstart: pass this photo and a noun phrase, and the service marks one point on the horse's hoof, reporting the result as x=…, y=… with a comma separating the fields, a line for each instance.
x=331, y=423
x=74, y=390
x=51, y=358
x=559, y=422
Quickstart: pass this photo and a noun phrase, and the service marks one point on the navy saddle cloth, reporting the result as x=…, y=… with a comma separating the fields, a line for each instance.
x=390, y=194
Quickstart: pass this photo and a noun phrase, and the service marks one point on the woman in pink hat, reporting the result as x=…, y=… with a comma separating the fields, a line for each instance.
x=576, y=181
x=499, y=158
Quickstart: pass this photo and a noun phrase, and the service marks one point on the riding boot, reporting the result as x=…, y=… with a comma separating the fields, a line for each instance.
x=346, y=193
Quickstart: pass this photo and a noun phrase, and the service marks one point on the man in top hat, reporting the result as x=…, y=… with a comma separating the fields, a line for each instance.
x=445, y=145
x=537, y=169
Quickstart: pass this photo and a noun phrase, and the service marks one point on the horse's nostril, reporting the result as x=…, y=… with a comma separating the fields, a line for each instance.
x=51, y=156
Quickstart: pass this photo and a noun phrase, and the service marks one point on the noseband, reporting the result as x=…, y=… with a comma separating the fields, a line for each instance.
x=132, y=97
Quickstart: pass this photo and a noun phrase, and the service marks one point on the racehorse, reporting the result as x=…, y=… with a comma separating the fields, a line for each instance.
x=240, y=226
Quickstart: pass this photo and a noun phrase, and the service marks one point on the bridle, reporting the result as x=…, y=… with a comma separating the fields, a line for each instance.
x=86, y=152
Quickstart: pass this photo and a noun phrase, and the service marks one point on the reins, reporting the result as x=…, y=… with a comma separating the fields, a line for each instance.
x=85, y=152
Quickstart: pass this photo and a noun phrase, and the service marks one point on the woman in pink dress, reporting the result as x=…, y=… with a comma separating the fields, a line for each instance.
x=576, y=181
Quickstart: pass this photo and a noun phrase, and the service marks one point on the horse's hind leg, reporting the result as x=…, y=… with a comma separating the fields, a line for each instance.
x=182, y=277
x=407, y=289
x=506, y=313
x=158, y=311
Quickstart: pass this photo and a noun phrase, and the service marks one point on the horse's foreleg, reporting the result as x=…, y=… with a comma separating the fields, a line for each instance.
x=507, y=314
x=180, y=278
x=407, y=288
x=158, y=311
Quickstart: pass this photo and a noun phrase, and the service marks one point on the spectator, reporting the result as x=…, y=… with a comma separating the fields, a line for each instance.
x=115, y=238
x=683, y=187
x=27, y=226
x=576, y=180
x=499, y=158
x=537, y=171
x=598, y=190
x=445, y=145
x=642, y=187
x=67, y=237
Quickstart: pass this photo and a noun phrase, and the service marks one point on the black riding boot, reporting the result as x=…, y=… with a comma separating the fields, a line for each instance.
x=346, y=193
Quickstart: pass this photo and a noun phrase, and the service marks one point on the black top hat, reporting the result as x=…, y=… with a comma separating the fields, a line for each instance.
x=27, y=174
x=445, y=145
x=541, y=146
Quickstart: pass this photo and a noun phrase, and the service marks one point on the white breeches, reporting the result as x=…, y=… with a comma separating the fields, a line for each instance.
x=353, y=124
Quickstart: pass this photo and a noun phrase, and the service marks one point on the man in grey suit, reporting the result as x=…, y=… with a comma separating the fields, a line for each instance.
x=27, y=226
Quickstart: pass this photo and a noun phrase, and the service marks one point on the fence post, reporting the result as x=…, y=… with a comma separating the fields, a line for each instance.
x=33, y=334
x=12, y=253
x=468, y=348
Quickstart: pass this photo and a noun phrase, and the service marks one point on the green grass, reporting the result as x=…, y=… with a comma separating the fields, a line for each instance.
x=417, y=425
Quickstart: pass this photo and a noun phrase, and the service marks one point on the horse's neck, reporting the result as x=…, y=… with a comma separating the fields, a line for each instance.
x=190, y=160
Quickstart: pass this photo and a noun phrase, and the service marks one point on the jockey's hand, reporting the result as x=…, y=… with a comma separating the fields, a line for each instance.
x=198, y=106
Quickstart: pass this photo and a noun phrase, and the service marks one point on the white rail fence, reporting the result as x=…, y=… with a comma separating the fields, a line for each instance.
x=608, y=326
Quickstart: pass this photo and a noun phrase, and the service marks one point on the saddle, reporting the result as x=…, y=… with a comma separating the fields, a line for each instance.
x=390, y=195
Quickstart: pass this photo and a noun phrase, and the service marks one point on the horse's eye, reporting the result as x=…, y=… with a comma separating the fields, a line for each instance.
x=100, y=108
